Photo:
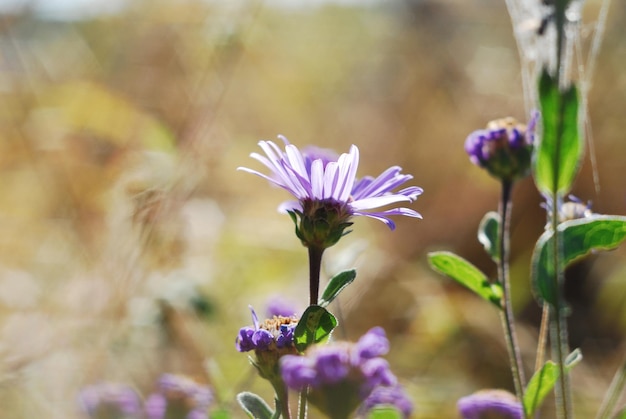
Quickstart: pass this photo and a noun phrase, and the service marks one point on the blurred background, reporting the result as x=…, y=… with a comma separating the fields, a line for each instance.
x=130, y=246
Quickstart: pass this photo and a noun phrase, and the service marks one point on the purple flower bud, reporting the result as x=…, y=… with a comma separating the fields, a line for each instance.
x=285, y=337
x=279, y=306
x=504, y=148
x=498, y=403
x=332, y=364
x=377, y=373
x=388, y=396
x=262, y=339
x=155, y=406
x=244, y=341
x=297, y=371
x=178, y=394
x=372, y=344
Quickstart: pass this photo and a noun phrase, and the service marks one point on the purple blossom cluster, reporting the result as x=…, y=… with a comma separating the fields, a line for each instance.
x=490, y=403
x=272, y=334
x=504, y=148
x=176, y=396
x=341, y=375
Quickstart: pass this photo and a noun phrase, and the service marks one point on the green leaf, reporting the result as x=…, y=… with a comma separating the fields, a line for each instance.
x=467, y=275
x=336, y=284
x=254, y=406
x=560, y=149
x=488, y=234
x=314, y=326
x=543, y=381
x=579, y=238
x=384, y=412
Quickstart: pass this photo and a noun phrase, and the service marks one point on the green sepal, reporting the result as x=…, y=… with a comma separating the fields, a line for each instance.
x=559, y=152
x=315, y=326
x=542, y=382
x=467, y=275
x=336, y=284
x=578, y=238
x=384, y=412
x=254, y=406
x=489, y=233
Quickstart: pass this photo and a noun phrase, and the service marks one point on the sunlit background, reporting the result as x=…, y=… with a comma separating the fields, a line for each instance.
x=130, y=246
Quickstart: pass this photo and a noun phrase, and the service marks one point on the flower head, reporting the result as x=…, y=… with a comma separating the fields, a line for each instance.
x=178, y=396
x=110, y=400
x=328, y=193
x=269, y=340
x=504, y=148
x=340, y=375
x=490, y=403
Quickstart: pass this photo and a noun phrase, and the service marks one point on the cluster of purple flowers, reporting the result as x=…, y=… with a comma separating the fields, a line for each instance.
x=504, y=148
x=272, y=334
x=341, y=375
x=176, y=397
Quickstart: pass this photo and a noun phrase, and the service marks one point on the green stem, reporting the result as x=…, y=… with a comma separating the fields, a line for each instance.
x=558, y=321
x=315, y=267
x=282, y=399
x=507, y=309
x=613, y=394
x=302, y=403
x=543, y=337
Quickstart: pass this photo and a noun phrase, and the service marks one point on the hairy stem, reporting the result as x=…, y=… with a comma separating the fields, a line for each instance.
x=613, y=394
x=302, y=403
x=508, y=321
x=315, y=266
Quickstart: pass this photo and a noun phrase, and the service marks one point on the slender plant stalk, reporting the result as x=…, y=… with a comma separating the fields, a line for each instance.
x=543, y=337
x=613, y=394
x=302, y=403
x=315, y=266
x=282, y=399
x=558, y=321
x=507, y=309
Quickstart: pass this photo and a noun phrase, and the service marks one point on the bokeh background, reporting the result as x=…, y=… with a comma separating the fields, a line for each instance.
x=130, y=246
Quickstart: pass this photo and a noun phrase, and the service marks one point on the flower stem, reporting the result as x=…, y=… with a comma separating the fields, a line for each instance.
x=315, y=267
x=543, y=337
x=282, y=399
x=507, y=309
x=613, y=394
x=302, y=403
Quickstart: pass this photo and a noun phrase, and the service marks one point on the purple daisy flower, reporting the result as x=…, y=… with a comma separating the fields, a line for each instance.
x=327, y=190
x=488, y=403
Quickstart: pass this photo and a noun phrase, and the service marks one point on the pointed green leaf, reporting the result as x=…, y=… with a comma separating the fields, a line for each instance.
x=488, y=234
x=336, y=284
x=543, y=381
x=384, y=412
x=314, y=326
x=467, y=275
x=254, y=406
x=579, y=238
x=560, y=149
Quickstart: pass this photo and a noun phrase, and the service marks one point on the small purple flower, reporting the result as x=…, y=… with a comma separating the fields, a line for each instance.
x=504, y=148
x=388, y=396
x=276, y=332
x=298, y=371
x=372, y=344
x=179, y=394
x=488, y=403
x=377, y=373
x=328, y=193
x=332, y=365
x=110, y=400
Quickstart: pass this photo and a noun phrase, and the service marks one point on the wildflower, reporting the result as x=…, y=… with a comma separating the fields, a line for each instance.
x=180, y=397
x=504, y=148
x=388, y=396
x=328, y=193
x=110, y=401
x=340, y=375
x=490, y=403
x=269, y=340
